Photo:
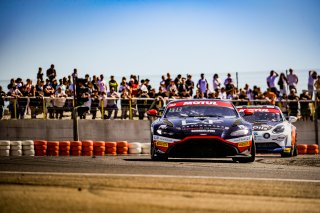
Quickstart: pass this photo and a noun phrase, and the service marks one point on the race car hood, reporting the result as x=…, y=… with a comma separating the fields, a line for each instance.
x=264, y=125
x=204, y=126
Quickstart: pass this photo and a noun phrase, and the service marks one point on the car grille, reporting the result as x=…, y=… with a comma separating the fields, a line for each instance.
x=202, y=148
x=267, y=145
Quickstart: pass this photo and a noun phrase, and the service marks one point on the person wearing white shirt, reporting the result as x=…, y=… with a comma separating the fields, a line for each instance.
x=292, y=80
x=311, y=80
x=216, y=82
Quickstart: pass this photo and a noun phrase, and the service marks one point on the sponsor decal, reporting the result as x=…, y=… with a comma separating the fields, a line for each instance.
x=287, y=150
x=197, y=103
x=244, y=144
x=203, y=130
x=162, y=144
x=164, y=139
x=261, y=127
x=241, y=139
x=259, y=110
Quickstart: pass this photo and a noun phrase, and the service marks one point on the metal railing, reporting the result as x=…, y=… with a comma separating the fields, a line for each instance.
x=129, y=108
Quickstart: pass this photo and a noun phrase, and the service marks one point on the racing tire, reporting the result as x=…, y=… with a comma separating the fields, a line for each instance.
x=27, y=147
x=157, y=157
x=5, y=152
x=16, y=152
x=288, y=155
x=295, y=151
x=4, y=143
x=28, y=152
x=248, y=159
x=15, y=143
x=27, y=143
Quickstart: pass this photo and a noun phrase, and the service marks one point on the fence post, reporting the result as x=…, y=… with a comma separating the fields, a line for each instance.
x=102, y=108
x=15, y=108
x=315, y=119
x=130, y=109
x=44, y=108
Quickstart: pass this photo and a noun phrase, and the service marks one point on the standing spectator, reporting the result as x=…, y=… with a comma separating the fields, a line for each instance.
x=311, y=80
x=177, y=80
x=317, y=86
x=59, y=102
x=203, y=85
x=168, y=80
x=229, y=87
x=190, y=84
x=228, y=80
x=183, y=86
x=216, y=82
x=2, y=97
x=83, y=99
x=271, y=81
x=293, y=104
x=15, y=93
x=292, y=80
x=22, y=102
x=102, y=85
x=125, y=103
x=172, y=87
x=95, y=82
x=51, y=73
x=113, y=83
x=48, y=94
x=142, y=104
x=123, y=85
x=282, y=82
x=134, y=88
x=248, y=91
x=112, y=103
x=36, y=99
x=146, y=82
x=40, y=74
x=163, y=80
x=304, y=106
x=95, y=100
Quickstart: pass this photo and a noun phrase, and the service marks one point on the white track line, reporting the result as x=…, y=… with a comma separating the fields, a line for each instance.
x=160, y=176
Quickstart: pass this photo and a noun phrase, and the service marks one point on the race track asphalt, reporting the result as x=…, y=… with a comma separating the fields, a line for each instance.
x=137, y=184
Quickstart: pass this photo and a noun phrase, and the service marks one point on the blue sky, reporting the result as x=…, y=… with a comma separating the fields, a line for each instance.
x=155, y=37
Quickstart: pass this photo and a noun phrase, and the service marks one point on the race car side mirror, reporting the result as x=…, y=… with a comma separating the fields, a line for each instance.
x=292, y=119
x=152, y=112
x=248, y=112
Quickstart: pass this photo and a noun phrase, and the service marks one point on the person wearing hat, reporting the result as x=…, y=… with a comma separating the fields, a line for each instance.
x=142, y=102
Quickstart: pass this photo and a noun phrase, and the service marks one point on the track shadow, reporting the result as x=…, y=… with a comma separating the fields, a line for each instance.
x=183, y=160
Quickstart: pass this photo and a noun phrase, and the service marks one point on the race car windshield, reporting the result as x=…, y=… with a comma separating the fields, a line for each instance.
x=201, y=111
x=263, y=116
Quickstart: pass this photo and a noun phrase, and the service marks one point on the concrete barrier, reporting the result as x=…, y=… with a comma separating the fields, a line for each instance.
x=103, y=130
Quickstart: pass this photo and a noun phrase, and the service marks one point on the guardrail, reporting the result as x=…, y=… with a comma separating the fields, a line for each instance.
x=129, y=108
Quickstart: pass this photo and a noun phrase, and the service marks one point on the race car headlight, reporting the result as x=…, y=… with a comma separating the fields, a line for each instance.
x=164, y=130
x=240, y=132
x=279, y=129
x=161, y=128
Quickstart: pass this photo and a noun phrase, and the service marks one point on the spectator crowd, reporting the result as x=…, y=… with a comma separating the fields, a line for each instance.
x=95, y=93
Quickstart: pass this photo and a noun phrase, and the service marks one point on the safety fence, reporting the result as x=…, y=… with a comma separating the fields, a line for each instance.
x=71, y=148
x=123, y=108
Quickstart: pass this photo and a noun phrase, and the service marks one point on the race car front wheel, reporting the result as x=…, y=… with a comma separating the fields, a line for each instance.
x=248, y=159
x=156, y=156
